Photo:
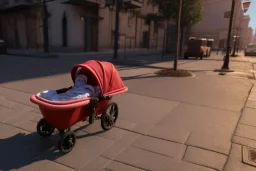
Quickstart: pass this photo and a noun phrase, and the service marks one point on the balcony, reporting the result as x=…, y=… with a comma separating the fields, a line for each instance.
x=82, y=2
x=133, y=4
x=14, y=4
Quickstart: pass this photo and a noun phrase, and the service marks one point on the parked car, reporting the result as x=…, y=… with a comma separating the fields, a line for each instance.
x=196, y=48
x=2, y=47
x=209, y=47
x=250, y=50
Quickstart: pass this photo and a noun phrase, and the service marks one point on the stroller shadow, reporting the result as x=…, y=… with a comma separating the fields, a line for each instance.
x=24, y=149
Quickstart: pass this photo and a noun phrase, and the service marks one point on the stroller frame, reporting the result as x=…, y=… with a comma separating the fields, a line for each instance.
x=63, y=115
x=67, y=137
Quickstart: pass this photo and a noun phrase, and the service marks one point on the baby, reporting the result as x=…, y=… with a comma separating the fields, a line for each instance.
x=78, y=91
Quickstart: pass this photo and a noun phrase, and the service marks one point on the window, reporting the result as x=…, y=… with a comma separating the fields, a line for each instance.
x=155, y=27
x=147, y=21
x=129, y=21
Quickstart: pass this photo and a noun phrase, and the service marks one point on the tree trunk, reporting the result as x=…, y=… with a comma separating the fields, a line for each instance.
x=165, y=39
x=175, y=64
x=182, y=30
x=136, y=23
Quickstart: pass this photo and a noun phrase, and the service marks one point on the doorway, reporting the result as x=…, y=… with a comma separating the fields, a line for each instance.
x=145, y=39
x=90, y=34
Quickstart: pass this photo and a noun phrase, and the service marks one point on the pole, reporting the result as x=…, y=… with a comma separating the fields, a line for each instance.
x=234, y=49
x=45, y=28
x=164, y=39
x=178, y=38
x=238, y=45
x=226, y=61
x=235, y=43
x=116, y=43
x=126, y=35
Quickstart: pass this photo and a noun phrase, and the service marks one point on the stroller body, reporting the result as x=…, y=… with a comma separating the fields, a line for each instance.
x=63, y=115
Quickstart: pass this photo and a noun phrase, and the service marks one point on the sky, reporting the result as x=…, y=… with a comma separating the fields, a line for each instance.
x=252, y=12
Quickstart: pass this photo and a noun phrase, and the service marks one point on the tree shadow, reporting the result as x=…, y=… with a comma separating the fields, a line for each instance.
x=142, y=76
x=15, y=68
x=40, y=67
x=23, y=149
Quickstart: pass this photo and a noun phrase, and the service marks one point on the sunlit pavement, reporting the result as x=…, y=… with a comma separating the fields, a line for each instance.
x=188, y=124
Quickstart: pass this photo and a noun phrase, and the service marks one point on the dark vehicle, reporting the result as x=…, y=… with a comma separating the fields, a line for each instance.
x=2, y=47
x=196, y=48
x=250, y=50
x=209, y=47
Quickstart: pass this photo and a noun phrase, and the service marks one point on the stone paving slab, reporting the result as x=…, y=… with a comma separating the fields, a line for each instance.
x=220, y=143
x=244, y=141
x=45, y=165
x=42, y=83
x=203, y=123
x=22, y=107
x=36, y=118
x=250, y=104
x=211, y=65
x=116, y=166
x=29, y=126
x=6, y=113
x=143, y=110
x=246, y=131
x=6, y=103
x=138, y=73
x=11, y=110
x=97, y=164
x=18, y=148
x=151, y=161
x=166, y=148
x=248, y=117
x=142, y=114
x=20, y=118
x=113, y=134
x=186, y=89
x=161, y=132
x=125, y=124
x=143, y=128
x=235, y=160
x=87, y=148
x=17, y=96
x=252, y=98
x=120, y=145
x=205, y=158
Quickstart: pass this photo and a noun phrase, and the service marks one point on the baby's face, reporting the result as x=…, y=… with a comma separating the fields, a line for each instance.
x=80, y=80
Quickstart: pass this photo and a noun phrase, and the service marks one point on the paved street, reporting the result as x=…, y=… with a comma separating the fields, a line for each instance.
x=199, y=123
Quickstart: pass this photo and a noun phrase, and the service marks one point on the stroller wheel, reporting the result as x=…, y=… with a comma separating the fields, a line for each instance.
x=44, y=129
x=109, y=116
x=67, y=142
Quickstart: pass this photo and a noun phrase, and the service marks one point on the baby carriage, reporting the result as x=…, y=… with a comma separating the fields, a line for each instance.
x=62, y=115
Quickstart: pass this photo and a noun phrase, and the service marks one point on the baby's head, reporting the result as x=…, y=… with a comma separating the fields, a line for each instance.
x=80, y=80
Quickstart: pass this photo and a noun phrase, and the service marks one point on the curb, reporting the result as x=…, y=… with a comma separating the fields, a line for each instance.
x=50, y=56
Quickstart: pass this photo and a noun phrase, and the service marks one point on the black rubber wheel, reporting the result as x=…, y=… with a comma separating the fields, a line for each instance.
x=44, y=129
x=201, y=56
x=67, y=142
x=109, y=116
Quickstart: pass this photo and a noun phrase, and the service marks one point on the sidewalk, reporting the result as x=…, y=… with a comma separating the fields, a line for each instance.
x=122, y=53
x=165, y=124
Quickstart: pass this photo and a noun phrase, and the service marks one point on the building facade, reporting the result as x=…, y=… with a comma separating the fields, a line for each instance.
x=250, y=35
x=254, y=37
x=215, y=23
x=78, y=25
x=246, y=33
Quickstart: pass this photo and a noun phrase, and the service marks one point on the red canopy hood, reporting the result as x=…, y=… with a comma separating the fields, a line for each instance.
x=103, y=74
